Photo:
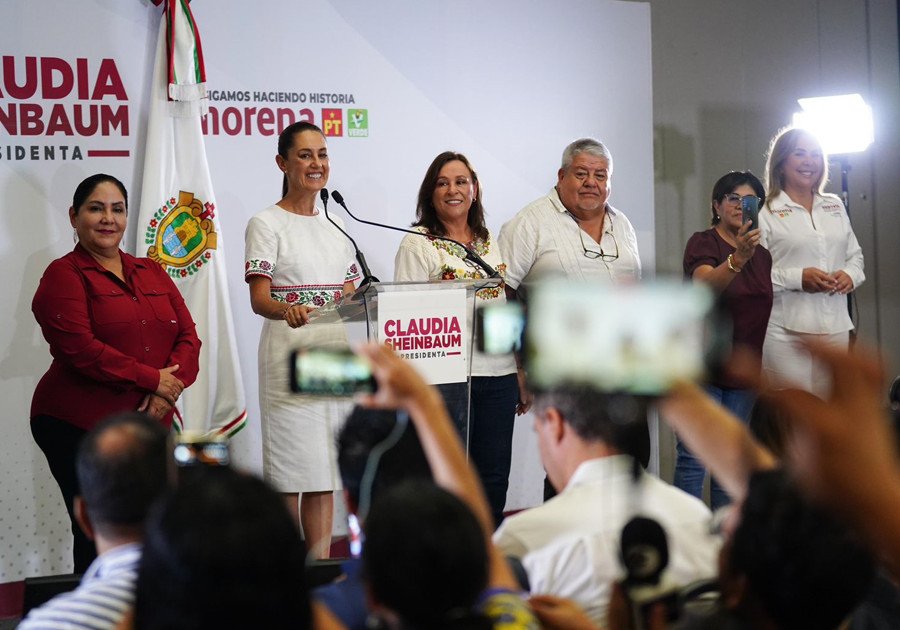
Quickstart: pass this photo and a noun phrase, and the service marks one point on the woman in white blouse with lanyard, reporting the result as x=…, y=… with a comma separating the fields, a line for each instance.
x=816, y=261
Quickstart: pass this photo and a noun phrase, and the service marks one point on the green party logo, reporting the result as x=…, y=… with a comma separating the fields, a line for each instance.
x=358, y=123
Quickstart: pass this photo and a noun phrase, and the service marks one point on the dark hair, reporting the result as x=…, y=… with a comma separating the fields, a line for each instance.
x=727, y=183
x=87, y=186
x=804, y=567
x=619, y=421
x=364, y=430
x=123, y=467
x=221, y=551
x=771, y=426
x=426, y=215
x=286, y=141
x=425, y=557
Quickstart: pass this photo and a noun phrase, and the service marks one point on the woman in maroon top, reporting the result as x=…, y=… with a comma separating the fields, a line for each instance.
x=728, y=257
x=120, y=335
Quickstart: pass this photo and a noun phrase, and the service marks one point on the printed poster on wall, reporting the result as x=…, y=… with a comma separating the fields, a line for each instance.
x=428, y=329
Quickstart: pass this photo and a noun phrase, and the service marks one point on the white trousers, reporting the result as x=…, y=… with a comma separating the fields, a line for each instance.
x=787, y=364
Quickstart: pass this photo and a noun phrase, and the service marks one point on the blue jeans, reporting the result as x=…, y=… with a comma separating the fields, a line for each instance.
x=689, y=472
x=490, y=431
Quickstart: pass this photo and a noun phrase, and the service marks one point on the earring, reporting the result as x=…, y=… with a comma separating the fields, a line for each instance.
x=74, y=235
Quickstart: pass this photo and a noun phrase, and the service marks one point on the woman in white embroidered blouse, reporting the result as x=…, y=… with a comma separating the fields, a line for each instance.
x=449, y=205
x=816, y=260
x=296, y=261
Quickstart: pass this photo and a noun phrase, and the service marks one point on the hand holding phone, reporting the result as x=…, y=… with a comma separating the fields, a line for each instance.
x=319, y=372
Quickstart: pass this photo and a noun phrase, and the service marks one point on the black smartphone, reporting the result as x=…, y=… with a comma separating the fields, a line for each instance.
x=318, y=372
x=499, y=328
x=750, y=211
x=629, y=339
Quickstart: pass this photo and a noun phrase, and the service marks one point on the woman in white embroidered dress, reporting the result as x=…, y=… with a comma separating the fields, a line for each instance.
x=816, y=261
x=449, y=205
x=296, y=261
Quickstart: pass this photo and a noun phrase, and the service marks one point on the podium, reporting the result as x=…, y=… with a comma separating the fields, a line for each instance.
x=430, y=324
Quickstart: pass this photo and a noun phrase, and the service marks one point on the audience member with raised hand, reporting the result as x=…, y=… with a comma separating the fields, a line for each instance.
x=401, y=387
x=715, y=436
x=785, y=563
x=843, y=449
x=376, y=451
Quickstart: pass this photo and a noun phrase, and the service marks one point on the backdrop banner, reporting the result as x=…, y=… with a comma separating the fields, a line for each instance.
x=84, y=89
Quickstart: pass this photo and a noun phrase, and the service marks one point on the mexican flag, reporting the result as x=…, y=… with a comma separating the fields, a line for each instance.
x=178, y=223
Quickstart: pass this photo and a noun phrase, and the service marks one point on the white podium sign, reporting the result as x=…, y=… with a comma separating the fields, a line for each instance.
x=429, y=329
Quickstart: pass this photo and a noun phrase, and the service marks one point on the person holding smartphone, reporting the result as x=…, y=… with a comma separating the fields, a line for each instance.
x=729, y=258
x=816, y=262
x=449, y=205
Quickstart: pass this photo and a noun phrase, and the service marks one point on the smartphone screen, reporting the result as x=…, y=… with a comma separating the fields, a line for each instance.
x=499, y=328
x=750, y=210
x=329, y=373
x=205, y=452
x=636, y=339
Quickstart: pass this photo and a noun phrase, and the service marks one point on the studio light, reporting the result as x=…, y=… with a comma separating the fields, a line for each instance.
x=843, y=124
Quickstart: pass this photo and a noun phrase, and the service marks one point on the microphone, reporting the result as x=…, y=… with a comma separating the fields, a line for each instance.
x=644, y=551
x=470, y=255
x=360, y=257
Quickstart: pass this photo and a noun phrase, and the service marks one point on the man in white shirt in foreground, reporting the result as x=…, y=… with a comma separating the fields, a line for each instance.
x=569, y=546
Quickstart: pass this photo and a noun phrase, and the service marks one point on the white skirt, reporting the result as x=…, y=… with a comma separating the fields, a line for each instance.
x=299, y=433
x=787, y=364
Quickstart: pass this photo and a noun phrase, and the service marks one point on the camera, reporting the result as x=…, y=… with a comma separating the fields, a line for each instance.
x=335, y=373
x=499, y=328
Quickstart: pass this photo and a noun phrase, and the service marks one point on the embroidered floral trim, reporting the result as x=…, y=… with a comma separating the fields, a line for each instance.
x=352, y=273
x=258, y=267
x=307, y=295
x=480, y=247
x=488, y=293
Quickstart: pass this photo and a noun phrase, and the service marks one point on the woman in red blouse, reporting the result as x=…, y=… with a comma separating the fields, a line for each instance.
x=120, y=335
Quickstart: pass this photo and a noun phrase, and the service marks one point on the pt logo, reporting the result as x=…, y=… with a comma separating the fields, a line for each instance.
x=357, y=123
x=333, y=122
x=182, y=234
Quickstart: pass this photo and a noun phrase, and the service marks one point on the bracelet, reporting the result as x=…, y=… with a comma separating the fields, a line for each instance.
x=731, y=266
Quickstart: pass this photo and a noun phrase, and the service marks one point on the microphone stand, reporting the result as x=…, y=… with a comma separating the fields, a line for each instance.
x=360, y=257
x=470, y=255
